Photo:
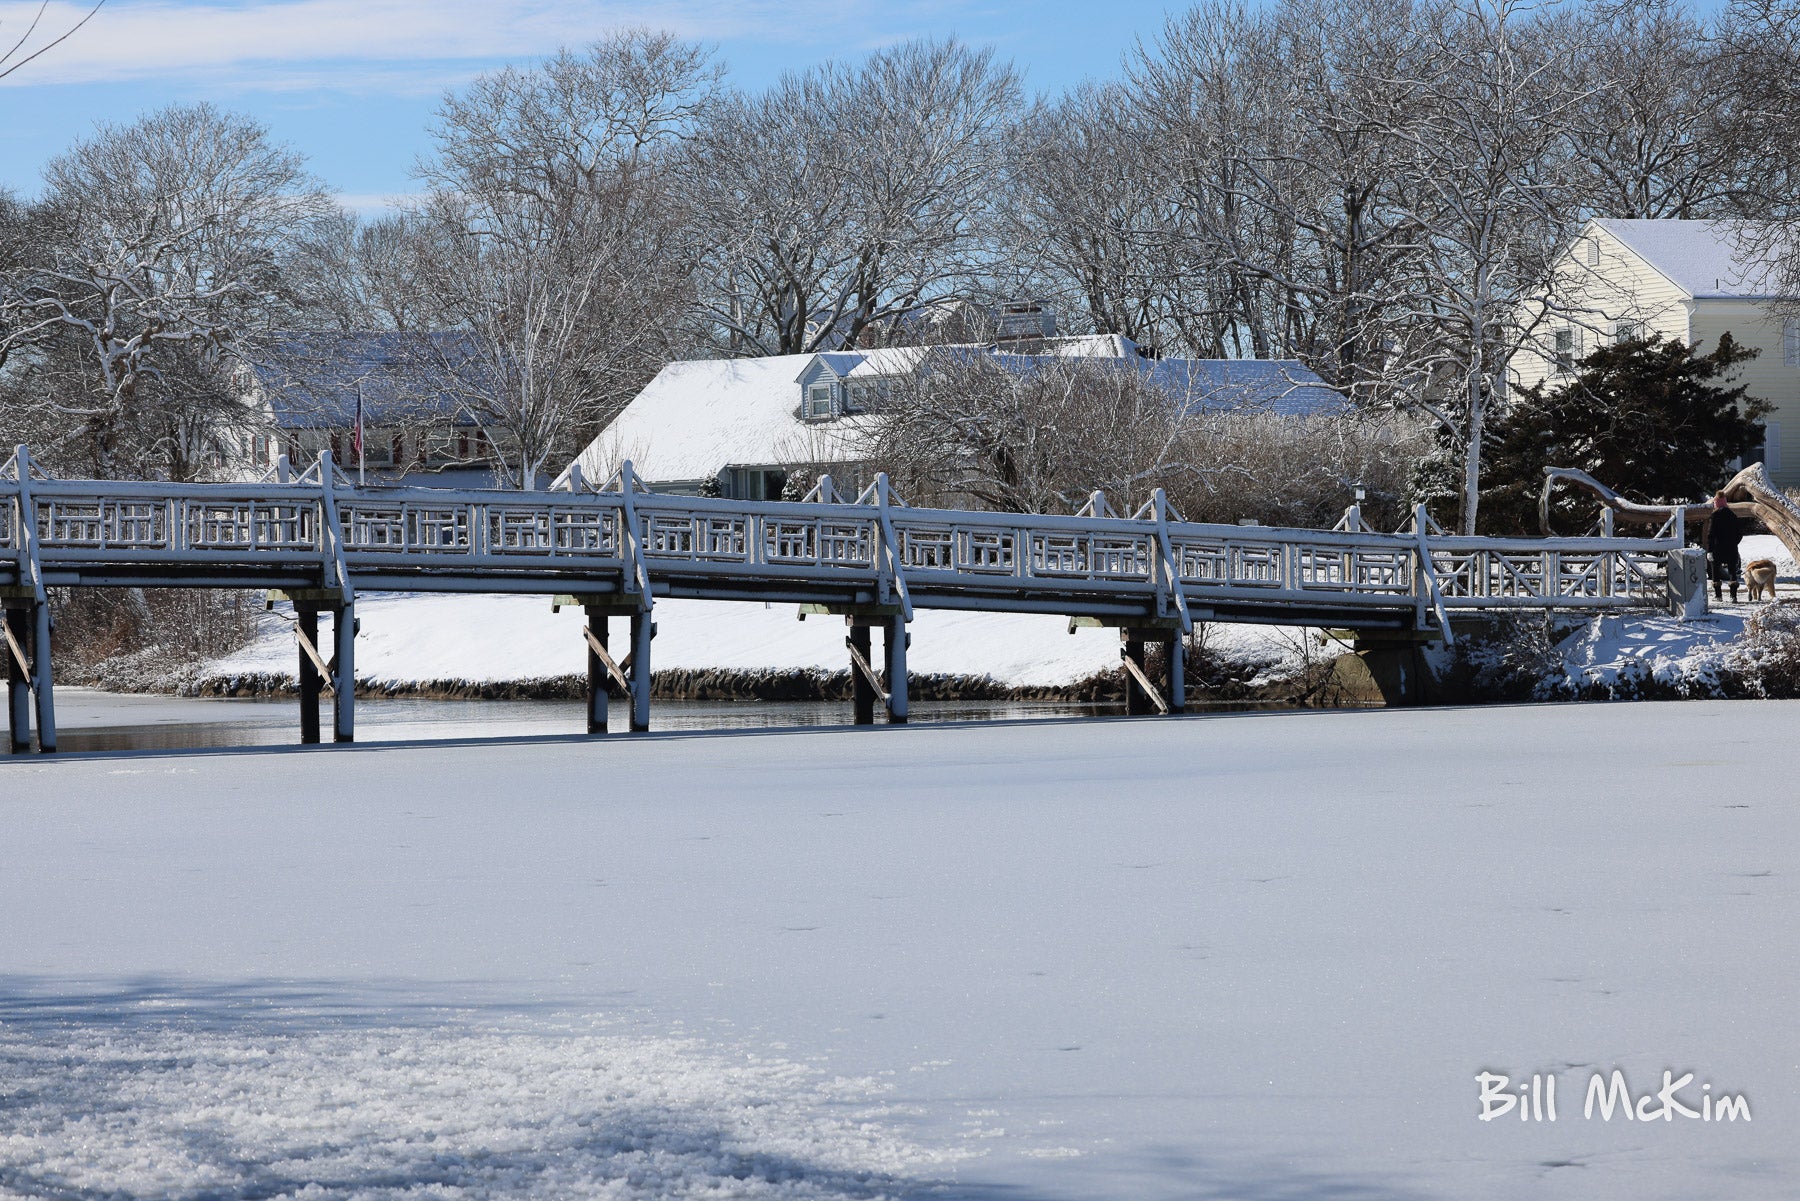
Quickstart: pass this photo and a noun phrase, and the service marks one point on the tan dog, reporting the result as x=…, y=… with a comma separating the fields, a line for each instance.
x=1761, y=575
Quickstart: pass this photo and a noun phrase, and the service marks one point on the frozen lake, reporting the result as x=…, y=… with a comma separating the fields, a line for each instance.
x=89, y=720
x=1233, y=956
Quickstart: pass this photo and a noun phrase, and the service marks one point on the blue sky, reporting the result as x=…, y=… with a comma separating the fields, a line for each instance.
x=352, y=83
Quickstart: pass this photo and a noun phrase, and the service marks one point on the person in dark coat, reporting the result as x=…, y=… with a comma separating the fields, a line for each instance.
x=1724, y=530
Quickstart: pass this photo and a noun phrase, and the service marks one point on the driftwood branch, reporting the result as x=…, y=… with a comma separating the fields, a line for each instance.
x=1750, y=493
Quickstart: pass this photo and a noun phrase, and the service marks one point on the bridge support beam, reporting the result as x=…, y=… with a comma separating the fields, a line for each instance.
x=18, y=679
x=343, y=674
x=894, y=641
x=643, y=629
x=862, y=689
x=1137, y=697
x=41, y=682
x=597, y=680
x=316, y=672
x=307, y=627
x=1175, y=659
x=1144, y=694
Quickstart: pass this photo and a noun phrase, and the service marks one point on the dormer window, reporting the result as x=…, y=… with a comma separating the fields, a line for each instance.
x=818, y=402
x=868, y=395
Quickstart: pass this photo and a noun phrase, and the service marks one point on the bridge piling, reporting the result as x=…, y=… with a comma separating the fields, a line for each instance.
x=310, y=679
x=343, y=679
x=894, y=640
x=1137, y=698
x=42, y=684
x=862, y=692
x=1176, y=658
x=18, y=683
x=596, y=669
x=643, y=629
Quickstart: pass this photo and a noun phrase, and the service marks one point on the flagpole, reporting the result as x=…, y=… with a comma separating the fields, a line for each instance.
x=361, y=471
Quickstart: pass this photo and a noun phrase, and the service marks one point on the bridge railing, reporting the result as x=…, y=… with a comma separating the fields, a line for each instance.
x=430, y=531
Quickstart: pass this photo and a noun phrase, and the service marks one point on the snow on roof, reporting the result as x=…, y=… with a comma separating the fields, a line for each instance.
x=700, y=416
x=1705, y=259
x=1087, y=346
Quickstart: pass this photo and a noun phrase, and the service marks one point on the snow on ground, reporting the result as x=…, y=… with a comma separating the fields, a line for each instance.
x=1244, y=956
x=1768, y=546
x=1655, y=647
x=483, y=639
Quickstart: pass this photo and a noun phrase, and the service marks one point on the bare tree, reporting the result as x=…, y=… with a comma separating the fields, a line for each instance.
x=554, y=239
x=846, y=197
x=1651, y=130
x=1028, y=434
x=1087, y=203
x=160, y=238
x=1487, y=200
x=20, y=51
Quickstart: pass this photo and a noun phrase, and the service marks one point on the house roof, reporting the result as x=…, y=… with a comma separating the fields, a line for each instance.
x=1706, y=259
x=700, y=416
x=313, y=380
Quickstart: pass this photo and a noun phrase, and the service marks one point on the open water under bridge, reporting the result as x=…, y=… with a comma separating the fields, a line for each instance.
x=616, y=548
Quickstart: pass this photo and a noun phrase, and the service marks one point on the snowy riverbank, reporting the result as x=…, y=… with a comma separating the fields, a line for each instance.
x=1258, y=955
x=452, y=641
x=514, y=646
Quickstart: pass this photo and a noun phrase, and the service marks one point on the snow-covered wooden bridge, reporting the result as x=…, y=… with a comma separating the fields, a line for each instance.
x=616, y=548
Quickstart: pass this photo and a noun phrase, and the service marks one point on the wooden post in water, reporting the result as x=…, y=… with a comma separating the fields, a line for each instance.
x=18, y=680
x=1137, y=701
x=642, y=631
x=1176, y=649
x=894, y=639
x=862, y=693
x=41, y=682
x=343, y=682
x=310, y=679
x=596, y=670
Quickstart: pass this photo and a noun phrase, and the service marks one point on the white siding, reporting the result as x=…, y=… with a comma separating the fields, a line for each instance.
x=1768, y=376
x=1598, y=283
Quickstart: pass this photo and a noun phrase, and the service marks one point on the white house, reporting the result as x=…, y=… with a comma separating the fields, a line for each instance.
x=742, y=423
x=1686, y=280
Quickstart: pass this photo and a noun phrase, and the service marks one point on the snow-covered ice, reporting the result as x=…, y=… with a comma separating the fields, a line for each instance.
x=1257, y=955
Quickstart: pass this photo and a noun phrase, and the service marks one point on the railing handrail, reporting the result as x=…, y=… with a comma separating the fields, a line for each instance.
x=1153, y=557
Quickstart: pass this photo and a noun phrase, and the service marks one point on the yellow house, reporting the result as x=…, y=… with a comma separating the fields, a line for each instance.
x=1687, y=280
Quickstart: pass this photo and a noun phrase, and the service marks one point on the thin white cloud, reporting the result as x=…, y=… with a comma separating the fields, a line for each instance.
x=291, y=40
x=374, y=204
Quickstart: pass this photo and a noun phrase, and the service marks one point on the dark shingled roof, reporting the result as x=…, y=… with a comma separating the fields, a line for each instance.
x=312, y=380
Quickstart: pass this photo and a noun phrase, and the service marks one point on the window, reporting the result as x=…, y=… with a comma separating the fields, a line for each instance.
x=1790, y=342
x=754, y=483
x=1627, y=331
x=818, y=401
x=1565, y=350
x=868, y=395
x=1771, y=451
